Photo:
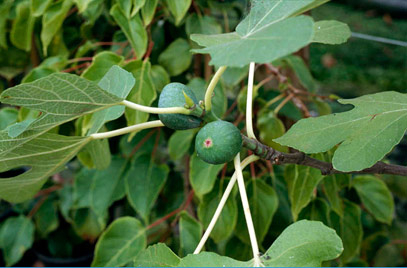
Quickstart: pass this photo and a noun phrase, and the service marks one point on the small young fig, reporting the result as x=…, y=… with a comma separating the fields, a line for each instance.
x=218, y=142
x=172, y=95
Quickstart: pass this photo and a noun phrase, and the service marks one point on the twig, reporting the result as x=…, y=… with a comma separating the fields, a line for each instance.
x=300, y=158
x=284, y=102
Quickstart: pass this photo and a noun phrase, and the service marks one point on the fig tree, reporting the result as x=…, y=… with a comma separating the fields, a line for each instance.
x=172, y=95
x=218, y=142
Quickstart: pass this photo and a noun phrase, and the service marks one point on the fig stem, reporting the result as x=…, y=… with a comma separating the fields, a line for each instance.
x=211, y=88
x=249, y=102
x=155, y=110
x=222, y=203
x=246, y=210
x=125, y=130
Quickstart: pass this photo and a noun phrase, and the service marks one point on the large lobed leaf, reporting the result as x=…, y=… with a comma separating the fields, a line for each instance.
x=366, y=133
x=42, y=156
x=270, y=31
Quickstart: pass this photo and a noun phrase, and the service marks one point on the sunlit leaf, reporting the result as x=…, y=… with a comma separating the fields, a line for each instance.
x=331, y=32
x=366, y=133
x=304, y=244
x=268, y=25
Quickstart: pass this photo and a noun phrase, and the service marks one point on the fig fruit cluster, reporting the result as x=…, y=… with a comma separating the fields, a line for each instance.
x=217, y=142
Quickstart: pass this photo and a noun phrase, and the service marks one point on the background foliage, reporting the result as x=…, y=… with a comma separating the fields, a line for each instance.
x=150, y=187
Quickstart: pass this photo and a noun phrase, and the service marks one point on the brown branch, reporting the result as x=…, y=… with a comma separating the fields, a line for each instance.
x=299, y=158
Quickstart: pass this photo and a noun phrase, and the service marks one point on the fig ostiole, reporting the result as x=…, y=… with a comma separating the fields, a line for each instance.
x=173, y=95
x=218, y=142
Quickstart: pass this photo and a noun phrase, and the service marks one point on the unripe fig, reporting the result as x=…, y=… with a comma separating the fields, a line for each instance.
x=218, y=142
x=172, y=95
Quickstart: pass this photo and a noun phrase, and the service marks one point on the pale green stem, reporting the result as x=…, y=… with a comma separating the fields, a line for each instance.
x=274, y=100
x=249, y=103
x=246, y=210
x=154, y=110
x=125, y=130
x=211, y=88
x=284, y=102
x=222, y=203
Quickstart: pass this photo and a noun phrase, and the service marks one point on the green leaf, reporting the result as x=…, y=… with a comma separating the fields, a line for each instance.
x=159, y=77
x=270, y=127
x=37, y=73
x=234, y=75
x=4, y=11
x=232, y=49
x=16, y=236
x=301, y=182
x=158, y=255
x=228, y=218
x=52, y=21
x=60, y=94
x=263, y=201
x=137, y=5
x=8, y=116
x=349, y=228
x=304, y=244
x=38, y=7
x=267, y=25
x=87, y=224
x=210, y=259
x=118, y=82
x=201, y=25
x=178, y=9
x=148, y=11
x=125, y=7
x=331, y=32
x=301, y=70
x=133, y=29
x=144, y=181
x=375, y=196
x=23, y=26
x=180, y=142
x=43, y=155
x=97, y=189
x=118, y=245
x=317, y=210
x=16, y=129
x=101, y=64
x=46, y=218
x=82, y=4
x=332, y=185
x=190, y=232
x=202, y=175
x=143, y=92
x=176, y=58
x=366, y=133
